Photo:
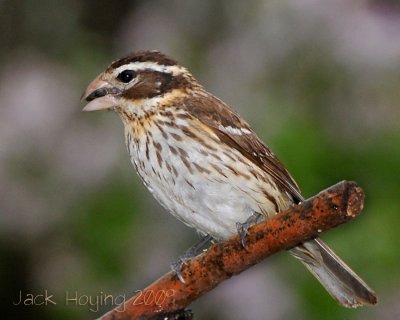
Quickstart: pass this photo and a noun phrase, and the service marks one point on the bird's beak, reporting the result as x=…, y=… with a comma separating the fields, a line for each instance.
x=100, y=95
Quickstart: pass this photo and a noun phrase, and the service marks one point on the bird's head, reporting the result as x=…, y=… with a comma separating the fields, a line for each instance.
x=140, y=80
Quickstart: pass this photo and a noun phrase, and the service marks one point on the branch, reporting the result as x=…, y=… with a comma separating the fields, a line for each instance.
x=331, y=207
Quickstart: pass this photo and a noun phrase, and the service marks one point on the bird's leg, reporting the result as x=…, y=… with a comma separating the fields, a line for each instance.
x=189, y=254
x=243, y=228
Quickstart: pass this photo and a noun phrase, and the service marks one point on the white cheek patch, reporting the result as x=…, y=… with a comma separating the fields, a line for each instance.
x=234, y=131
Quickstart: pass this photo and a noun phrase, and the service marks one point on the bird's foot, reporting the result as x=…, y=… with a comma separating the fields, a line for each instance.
x=243, y=228
x=192, y=252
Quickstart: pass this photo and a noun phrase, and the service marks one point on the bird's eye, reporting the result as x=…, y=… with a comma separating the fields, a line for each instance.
x=126, y=76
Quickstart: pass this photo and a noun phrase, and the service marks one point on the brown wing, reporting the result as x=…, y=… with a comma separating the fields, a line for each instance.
x=236, y=132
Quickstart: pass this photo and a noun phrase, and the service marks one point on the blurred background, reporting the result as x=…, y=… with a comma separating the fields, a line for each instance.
x=318, y=80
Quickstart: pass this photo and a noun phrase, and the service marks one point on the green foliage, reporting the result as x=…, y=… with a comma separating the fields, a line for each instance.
x=102, y=226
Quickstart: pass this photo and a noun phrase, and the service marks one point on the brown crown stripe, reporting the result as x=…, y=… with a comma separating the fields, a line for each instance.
x=145, y=56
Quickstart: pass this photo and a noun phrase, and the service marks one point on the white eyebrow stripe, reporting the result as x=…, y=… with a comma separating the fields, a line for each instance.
x=136, y=66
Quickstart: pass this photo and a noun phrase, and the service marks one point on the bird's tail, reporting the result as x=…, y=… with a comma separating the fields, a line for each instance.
x=342, y=283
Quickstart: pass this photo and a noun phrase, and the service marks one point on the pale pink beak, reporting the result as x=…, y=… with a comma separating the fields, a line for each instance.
x=99, y=94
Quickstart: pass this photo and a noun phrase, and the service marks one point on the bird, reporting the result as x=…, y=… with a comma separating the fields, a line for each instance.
x=204, y=163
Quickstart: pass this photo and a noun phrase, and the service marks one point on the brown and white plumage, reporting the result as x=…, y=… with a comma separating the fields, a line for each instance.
x=203, y=162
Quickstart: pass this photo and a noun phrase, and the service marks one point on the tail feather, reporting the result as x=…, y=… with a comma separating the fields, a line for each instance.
x=342, y=283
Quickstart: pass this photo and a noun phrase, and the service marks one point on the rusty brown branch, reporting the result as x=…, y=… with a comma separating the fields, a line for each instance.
x=331, y=207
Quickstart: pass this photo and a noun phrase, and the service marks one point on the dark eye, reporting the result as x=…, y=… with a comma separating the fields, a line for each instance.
x=126, y=76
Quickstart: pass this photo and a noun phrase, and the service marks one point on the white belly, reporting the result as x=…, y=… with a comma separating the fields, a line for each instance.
x=207, y=190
